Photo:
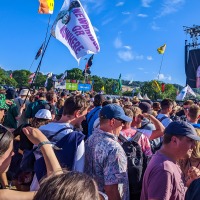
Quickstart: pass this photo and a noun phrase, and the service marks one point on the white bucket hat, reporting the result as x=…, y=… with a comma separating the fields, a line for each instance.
x=43, y=114
x=25, y=92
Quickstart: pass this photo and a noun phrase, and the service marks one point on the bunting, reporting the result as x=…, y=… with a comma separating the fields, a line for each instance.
x=156, y=86
x=30, y=78
x=73, y=28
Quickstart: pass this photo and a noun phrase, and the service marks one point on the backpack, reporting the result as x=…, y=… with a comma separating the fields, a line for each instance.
x=137, y=163
x=65, y=153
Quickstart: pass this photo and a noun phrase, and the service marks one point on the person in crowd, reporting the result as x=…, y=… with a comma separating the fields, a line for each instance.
x=193, y=192
x=146, y=123
x=137, y=121
x=12, y=115
x=74, y=111
x=105, y=159
x=163, y=178
x=128, y=132
x=193, y=115
x=183, y=113
x=68, y=185
x=94, y=113
x=156, y=108
x=135, y=101
x=24, y=94
x=51, y=98
x=63, y=96
x=36, y=105
x=164, y=114
x=6, y=152
x=116, y=101
x=193, y=161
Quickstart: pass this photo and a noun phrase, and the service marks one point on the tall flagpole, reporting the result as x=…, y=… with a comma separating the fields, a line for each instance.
x=160, y=66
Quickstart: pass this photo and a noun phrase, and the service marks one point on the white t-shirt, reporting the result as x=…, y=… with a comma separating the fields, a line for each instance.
x=165, y=121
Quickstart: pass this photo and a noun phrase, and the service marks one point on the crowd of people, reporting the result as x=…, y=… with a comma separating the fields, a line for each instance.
x=56, y=145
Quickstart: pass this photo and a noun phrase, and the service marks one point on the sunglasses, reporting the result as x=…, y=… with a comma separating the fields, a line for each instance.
x=3, y=131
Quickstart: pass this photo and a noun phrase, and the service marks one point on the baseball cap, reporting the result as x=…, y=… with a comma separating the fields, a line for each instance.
x=43, y=114
x=111, y=111
x=145, y=107
x=183, y=129
x=10, y=93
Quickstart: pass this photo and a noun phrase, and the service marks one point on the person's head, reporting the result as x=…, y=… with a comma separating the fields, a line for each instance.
x=42, y=89
x=137, y=116
x=63, y=95
x=112, y=118
x=75, y=108
x=42, y=95
x=10, y=93
x=98, y=100
x=68, y=185
x=156, y=106
x=128, y=112
x=135, y=100
x=127, y=104
x=51, y=97
x=42, y=117
x=166, y=106
x=196, y=149
x=3, y=106
x=179, y=139
x=6, y=148
x=60, y=103
x=25, y=92
x=193, y=113
x=145, y=107
x=116, y=101
x=186, y=106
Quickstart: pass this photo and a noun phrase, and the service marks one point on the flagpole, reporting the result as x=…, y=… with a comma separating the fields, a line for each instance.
x=160, y=66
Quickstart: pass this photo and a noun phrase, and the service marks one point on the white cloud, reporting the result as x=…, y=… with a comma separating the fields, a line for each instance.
x=118, y=43
x=121, y=3
x=146, y=3
x=96, y=29
x=142, y=15
x=141, y=68
x=107, y=21
x=126, y=13
x=126, y=55
x=127, y=47
x=149, y=58
x=154, y=26
x=170, y=6
x=163, y=77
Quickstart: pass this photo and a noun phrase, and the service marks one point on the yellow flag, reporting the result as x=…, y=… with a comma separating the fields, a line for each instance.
x=46, y=6
x=102, y=88
x=161, y=50
x=156, y=86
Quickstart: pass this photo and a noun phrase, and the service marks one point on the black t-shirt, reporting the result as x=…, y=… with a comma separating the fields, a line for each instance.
x=193, y=192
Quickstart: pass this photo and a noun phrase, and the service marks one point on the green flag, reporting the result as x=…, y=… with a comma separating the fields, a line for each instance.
x=120, y=83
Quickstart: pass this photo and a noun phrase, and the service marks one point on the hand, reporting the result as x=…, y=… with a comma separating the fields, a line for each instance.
x=9, y=102
x=34, y=135
x=193, y=173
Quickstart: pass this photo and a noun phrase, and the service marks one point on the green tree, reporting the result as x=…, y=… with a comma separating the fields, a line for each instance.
x=21, y=77
x=75, y=74
x=40, y=80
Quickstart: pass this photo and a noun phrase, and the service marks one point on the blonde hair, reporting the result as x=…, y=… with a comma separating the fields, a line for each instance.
x=196, y=150
x=136, y=111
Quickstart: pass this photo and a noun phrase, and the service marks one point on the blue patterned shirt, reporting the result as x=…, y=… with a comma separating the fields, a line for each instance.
x=106, y=162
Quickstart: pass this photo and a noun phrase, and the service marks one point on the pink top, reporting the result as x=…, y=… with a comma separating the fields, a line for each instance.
x=143, y=141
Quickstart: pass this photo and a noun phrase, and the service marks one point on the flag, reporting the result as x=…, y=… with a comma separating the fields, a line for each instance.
x=49, y=75
x=190, y=91
x=131, y=81
x=162, y=87
x=62, y=78
x=39, y=52
x=102, y=88
x=156, y=86
x=54, y=78
x=120, y=83
x=182, y=94
x=46, y=6
x=73, y=28
x=161, y=50
x=11, y=76
x=30, y=78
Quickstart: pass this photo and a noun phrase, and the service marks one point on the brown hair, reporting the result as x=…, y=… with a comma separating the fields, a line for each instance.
x=188, y=102
x=69, y=185
x=168, y=137
x=194, y=112
x=36, y=122
x=196, y=150
x=5, y=139
x=75, y=103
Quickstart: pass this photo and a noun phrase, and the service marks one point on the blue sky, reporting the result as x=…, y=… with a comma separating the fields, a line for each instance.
x=129, y=33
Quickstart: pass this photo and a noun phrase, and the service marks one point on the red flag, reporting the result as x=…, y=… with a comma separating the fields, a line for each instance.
x=11, y=76
x=162, y=87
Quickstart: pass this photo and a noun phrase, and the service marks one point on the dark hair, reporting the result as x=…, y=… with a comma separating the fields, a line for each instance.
x=166, y=103
x=188, y=103
x=50, y=95
x=168, y=137
x=36, y=122
x=5, y=138
x=98, y=100
x=75, y=103
x=68, y=185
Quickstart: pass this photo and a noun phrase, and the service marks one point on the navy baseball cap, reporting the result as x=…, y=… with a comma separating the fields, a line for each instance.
x=111, y=111
x=183, y=129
